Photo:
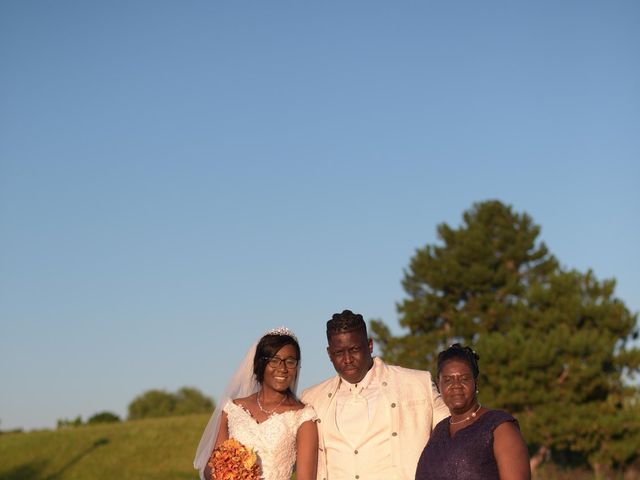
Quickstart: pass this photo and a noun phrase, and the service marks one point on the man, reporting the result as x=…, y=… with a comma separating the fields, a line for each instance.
x=373, y=419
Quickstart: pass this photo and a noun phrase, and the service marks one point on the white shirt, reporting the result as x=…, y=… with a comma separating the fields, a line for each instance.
x=368, y=387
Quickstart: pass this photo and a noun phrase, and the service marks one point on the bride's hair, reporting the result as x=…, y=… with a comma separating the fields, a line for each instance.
x=267, y=347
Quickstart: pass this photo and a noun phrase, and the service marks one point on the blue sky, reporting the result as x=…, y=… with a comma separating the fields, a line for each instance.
x=178, y=177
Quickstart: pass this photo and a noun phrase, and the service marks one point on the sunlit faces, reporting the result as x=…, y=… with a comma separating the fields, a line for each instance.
x=457, y=386
x=350, y=354
x=280, y=373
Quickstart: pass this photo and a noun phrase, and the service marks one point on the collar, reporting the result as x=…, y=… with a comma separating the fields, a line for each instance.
x=366, y=381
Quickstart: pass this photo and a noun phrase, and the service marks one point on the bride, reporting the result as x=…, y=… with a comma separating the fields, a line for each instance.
x=260, y=410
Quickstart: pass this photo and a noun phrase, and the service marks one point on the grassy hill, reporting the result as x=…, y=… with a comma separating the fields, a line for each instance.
x=153, y=449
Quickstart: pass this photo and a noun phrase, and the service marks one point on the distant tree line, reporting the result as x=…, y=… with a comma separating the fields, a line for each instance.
x=150, y=404
x=101, y=417
x=160, y=403
x=13, y=430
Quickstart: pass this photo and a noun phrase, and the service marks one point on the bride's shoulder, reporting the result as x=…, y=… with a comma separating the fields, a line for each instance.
x=245, y=401
x=305, y=413
x=296, y=406
x=238, y=404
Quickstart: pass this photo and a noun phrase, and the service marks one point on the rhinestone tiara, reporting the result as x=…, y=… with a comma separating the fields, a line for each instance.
x=281, y=331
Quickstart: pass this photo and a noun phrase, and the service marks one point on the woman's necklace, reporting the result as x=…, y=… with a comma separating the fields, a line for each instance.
x=451, y=422
x=264, y=410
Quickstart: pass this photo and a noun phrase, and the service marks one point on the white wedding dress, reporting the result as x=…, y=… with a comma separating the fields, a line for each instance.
x=274, y=440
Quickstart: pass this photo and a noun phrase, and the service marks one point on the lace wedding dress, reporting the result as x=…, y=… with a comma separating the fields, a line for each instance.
x=274, y=440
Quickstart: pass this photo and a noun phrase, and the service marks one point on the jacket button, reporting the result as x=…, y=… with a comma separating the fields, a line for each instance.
x=357, y=476
x=355, y=451
x=393, y=405
x=384, y=384
x=319, y=420
x=394, y=434
x=329, y=395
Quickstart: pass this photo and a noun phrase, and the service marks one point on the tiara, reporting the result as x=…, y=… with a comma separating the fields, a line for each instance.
x=281, y=331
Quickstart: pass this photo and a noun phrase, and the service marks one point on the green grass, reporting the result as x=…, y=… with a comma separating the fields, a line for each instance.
x=153, y=449
x=158, y=449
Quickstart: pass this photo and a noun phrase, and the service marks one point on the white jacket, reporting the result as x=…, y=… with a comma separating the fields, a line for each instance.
x=414, y=407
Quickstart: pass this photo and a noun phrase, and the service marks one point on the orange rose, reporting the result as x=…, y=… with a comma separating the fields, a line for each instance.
x=233, y=461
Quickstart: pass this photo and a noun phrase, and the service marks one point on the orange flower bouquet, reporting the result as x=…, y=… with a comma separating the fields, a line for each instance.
x=231, y=460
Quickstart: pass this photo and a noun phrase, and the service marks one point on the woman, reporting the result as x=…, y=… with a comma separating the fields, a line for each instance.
x=474, y=443
x=260, y=410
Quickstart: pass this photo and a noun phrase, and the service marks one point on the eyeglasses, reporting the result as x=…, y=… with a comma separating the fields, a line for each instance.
x=275, y=362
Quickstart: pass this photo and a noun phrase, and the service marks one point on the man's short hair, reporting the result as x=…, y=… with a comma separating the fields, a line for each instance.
x=346, y=322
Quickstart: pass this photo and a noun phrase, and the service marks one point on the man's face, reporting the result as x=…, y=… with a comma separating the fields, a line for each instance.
x=350, y=353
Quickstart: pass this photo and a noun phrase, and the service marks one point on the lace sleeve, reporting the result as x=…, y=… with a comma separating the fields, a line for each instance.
x=306, y=414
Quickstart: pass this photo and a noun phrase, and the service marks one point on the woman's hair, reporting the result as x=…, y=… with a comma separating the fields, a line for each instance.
x=267, y=347
x=346, y=322
x=458, y=352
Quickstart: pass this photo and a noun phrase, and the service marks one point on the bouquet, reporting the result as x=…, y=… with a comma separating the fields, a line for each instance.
x=231, y=460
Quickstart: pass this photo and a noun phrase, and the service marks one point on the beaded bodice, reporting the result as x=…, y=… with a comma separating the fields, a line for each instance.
x=468, y=455
x=274, y=439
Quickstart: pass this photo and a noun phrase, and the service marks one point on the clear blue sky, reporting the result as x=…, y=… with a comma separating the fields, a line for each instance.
x=177, y=177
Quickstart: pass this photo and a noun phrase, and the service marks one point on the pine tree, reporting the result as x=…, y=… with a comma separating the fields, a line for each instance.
x=555, y=345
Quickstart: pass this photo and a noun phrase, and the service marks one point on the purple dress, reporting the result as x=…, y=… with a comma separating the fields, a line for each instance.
x=466, y=456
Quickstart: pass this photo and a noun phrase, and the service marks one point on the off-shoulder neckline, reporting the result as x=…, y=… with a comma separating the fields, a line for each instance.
x=275, y=414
